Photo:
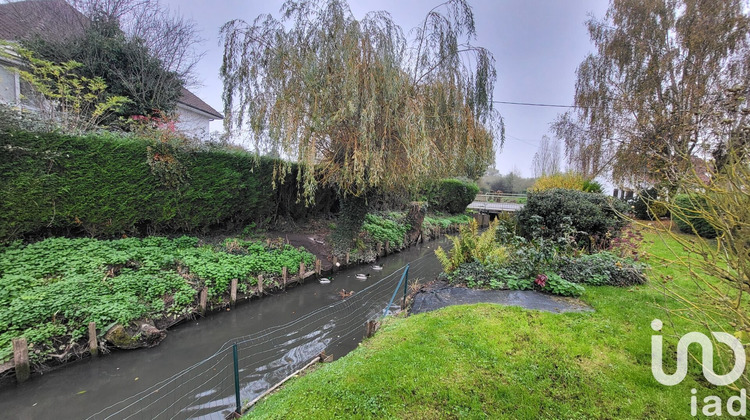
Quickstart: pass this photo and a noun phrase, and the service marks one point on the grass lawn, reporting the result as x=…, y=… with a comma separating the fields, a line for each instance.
x=489, y=361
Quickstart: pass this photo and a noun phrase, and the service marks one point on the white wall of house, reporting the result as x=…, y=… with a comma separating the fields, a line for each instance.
x=192, y=122
x=9, y=85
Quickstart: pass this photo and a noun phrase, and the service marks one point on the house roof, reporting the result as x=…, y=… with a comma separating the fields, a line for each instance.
x=189, y=99
x=25, y=18
x=22, y=19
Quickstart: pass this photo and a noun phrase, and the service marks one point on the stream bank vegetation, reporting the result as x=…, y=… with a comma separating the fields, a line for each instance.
x=50, y=290
x=151, y=183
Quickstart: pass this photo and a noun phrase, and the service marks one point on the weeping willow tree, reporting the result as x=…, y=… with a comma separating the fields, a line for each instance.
x=356, y=103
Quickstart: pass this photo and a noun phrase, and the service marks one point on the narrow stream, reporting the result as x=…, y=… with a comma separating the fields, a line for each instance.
x=282, y=337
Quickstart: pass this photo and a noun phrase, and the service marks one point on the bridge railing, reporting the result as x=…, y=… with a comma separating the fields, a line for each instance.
x=500, y=198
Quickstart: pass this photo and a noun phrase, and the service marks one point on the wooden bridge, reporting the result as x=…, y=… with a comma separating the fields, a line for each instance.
x=497, y=203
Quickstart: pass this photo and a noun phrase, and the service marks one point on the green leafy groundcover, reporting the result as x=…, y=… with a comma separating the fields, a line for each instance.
x=445, y=221
x=51, y=290
x=392, y=226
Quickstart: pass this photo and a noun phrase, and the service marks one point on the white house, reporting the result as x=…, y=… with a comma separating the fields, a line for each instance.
x=23, y=18
x=194, y=115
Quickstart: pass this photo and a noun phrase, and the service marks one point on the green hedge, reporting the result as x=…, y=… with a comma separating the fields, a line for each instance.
x=103, y=185
x=452, y=195
x=686, y=214
x=559, y=212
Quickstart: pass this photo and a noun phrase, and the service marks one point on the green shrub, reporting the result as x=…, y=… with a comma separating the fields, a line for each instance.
x=107, y=185
x=603, y=268
x=452, y=195
x=686, y=212
x=470, y=245
x=476, y=275
x=646, y=206
x=592, y=218
x=559, y=286
x=592, y=186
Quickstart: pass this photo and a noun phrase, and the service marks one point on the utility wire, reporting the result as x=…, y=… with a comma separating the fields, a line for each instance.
x=538, y=104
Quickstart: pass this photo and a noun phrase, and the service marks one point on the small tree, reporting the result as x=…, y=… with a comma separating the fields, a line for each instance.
x=716, y=205
x=547, y=159
x=124, y=64
x=168, y=36
x=645, y=99
x=74, y=102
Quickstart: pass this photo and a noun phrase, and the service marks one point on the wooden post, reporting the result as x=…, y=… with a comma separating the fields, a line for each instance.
x=380, y=249
x=301, y=272
x=370, y=328
x=284, y=274
x=260, y=285
x=203, y=301
x=233, y=292
x=387, y=247
x=318, y=267
x=335, y=261
x=21, y=359
x=93, y=342
x=347, y=258
x=268, y=243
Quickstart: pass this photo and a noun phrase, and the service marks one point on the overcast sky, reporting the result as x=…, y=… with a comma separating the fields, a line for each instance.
x=537, y=44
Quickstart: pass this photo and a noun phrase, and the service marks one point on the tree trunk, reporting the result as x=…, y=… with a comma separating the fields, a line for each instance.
x=414, y=220
x=353, y=212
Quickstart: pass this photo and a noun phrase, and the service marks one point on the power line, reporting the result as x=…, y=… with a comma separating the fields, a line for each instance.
x=529, y=142
x=537, y=104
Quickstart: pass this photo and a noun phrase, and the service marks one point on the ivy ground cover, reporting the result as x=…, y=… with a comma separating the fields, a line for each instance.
x=51, y=290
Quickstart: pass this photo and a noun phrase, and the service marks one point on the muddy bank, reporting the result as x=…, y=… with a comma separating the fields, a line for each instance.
x=440, y=294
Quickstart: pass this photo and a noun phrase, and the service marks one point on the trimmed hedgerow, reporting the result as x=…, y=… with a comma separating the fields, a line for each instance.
x=106, y=185
x=452, y=195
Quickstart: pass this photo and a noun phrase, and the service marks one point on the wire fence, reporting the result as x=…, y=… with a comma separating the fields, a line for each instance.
x=208, y=389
